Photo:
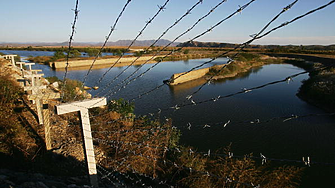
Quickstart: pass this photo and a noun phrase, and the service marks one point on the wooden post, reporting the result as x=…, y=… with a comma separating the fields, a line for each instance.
x=82, y=107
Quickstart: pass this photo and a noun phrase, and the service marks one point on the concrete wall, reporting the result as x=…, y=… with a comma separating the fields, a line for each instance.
x=196, y=74
x=100, y=62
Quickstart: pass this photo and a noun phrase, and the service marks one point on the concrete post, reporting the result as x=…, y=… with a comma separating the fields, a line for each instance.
x=82, y=107
x=35, y=90
x=29, y=65
x=46, y=123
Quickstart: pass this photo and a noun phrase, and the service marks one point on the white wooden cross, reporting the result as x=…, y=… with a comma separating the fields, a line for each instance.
x=82, y=107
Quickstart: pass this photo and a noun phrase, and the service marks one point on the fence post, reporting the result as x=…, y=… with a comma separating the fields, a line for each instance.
x=82, y=107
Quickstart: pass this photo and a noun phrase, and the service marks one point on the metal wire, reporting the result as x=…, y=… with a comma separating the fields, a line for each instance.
x=107, y=38
x=76, y=11
x=160, y=37
x=161, y=9
x=241, y=45
x=165, y=47
x=194, y=38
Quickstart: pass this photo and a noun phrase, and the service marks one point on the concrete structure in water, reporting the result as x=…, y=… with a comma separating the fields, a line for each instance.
x=193, y=75
x=124, y=61
x=183, y=77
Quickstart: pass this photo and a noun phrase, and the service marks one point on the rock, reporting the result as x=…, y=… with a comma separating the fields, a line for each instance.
x=9, y=182
x=55, y=84
x=72, y=186
x=28, y=185
x=41, y=185
x=53, y=183
x=47, y=81
x=3, y=177
x=38, y=176
x=74, y=180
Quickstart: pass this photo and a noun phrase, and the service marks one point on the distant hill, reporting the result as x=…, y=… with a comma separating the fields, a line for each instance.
x=207, y=44
x=161, y=42
x=230, y=45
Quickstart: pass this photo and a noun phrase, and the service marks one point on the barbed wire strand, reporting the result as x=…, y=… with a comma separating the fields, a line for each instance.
x=255, y=121
x=230, y=59
x=76, y=12
x=165, y=32
x=246, y=43
x=245, y=90
x=180, y=48
x=160, y=9
x=113, y=28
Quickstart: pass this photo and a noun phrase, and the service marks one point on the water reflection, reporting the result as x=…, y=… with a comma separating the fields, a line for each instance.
x=240, y=76
x=181, y=88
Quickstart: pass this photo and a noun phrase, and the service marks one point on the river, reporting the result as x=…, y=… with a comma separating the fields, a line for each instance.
x=291, y=139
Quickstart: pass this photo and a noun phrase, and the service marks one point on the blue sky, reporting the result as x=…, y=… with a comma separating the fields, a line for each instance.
x=50, y=21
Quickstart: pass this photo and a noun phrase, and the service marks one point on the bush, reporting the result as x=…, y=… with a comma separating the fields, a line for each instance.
x=52, y=79
x=73, y=90
x=58, y=55
x=92, y=52
x=121, y=106
x=13, y=137
x=247, y=57
x=41, y=59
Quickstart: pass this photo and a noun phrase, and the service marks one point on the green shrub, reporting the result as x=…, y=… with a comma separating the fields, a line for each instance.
x=247, y=57
x=92, y=52
x=52, y=79
x=73, y=90
x=121, y=106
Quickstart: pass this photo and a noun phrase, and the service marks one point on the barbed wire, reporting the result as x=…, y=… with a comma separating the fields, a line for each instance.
x=160, y=37
x=243, y=91
x=160, y=9
x=176, y=166
x=241, y=45
x=255, y=121
x=113, y=28
x=76, y=11
x=230, y=59
x=180, y=48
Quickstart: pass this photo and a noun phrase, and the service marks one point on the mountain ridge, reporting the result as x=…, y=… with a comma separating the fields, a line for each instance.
x=161, y=42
